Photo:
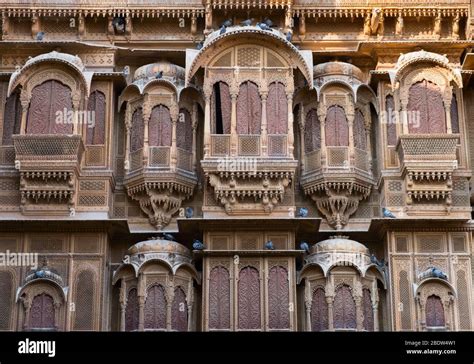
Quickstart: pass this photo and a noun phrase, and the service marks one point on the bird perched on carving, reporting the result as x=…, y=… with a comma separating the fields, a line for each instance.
x=289, y=36
x=119, y=24
x=438, y=273
x=264, y=26
x=126, y=71
x=268, y=22
x=247, y=22
x=200, y=45
x=380, y=263
x=304, y=246
x=387, y=213
x=269, y=245
x=188, y=212
x=198, y=245
x=302, y=212
x=168, y=236
x=222, y=31
x=39, y=36
x=227, y=23
x=159, y=75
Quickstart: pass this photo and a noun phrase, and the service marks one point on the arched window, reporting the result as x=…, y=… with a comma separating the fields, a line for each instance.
x=434, y=312
x=221, y=108
x=159, y=127
x=319, y=311
x=360, y=137
x=184, y=131
x=95, y=122
x=454, y=115
x=278, y=298
x=312, y=132
x=344, y=309
x=137, y=132
x=131, y=311
x=249, y=109
x=11, y=118
x=219, y=298
x=391, y=121
x=337, y=129
x=50, y=110
x=249, y=299
x=368, y=310
x=179, y=311
x=277, y=109
x=42, y=312
x=426, y=114
x=155, y=308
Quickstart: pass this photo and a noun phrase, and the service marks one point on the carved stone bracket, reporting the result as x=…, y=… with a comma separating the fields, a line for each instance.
x=337, y=201
x=160, y=200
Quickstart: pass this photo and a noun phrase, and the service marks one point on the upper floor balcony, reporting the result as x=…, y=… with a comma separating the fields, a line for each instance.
x=161, y=127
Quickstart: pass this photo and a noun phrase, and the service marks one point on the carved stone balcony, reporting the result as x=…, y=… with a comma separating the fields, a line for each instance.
x=49, y=166
x=160, y=180
x=337, y=180
x=427, y=165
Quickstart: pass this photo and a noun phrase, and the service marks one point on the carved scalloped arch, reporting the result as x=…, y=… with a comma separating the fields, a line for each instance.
x=216, y=47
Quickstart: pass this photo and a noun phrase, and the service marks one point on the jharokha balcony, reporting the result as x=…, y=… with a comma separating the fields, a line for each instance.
x=160, y=159
x=337, y=145
x=49, y=166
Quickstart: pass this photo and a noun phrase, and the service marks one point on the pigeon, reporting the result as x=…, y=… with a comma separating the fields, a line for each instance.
x=438, y=273
x=198, y=245
x=188, y=212
x=159, y=75
x=269, y=245
x=227, y=23
x=222, y=31
x=268, y=22
x=302, y=212
x=380, y=263
x=247, y=22
x=288, y=36
x=119, y=24
x=304, y=246
x=388, y=213
x=39, y=36
x=264, y=26
x=199, y=46
x=168, y=236
x=126, y=71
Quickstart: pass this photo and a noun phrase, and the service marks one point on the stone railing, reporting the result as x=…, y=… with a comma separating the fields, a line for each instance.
x=250, y=145
x=159, y=157
x=428, y=147
x=48, y=147
x=185, y=159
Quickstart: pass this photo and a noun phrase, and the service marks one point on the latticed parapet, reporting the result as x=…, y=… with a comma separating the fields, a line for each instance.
x=49, y=166
x=258, y=190
x=428, y=163
x=160, y=195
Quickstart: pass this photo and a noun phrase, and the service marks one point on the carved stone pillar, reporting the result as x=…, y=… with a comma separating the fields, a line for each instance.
x=194, y=124
x=422, y=320
x=141, y=312
x=330, y=301
x=5, y=24
x=369, y=146
x=207, y=124
x=27, y=306
x=208, y=13
x=447, y=112
x=35, y=25
x=128, y=126
x=322, y=122
x=174, y=150
x=375, y=310
x=122, y=316
x=264, y=136
x=350, y=122
x=404, y=115
x=302, y=127
x=193, y=25
x=146, y=110
x=233, y=124
x=302, y=29
x=291, y=138
x=169, y=305
x=25, y=102
x=57, y=309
